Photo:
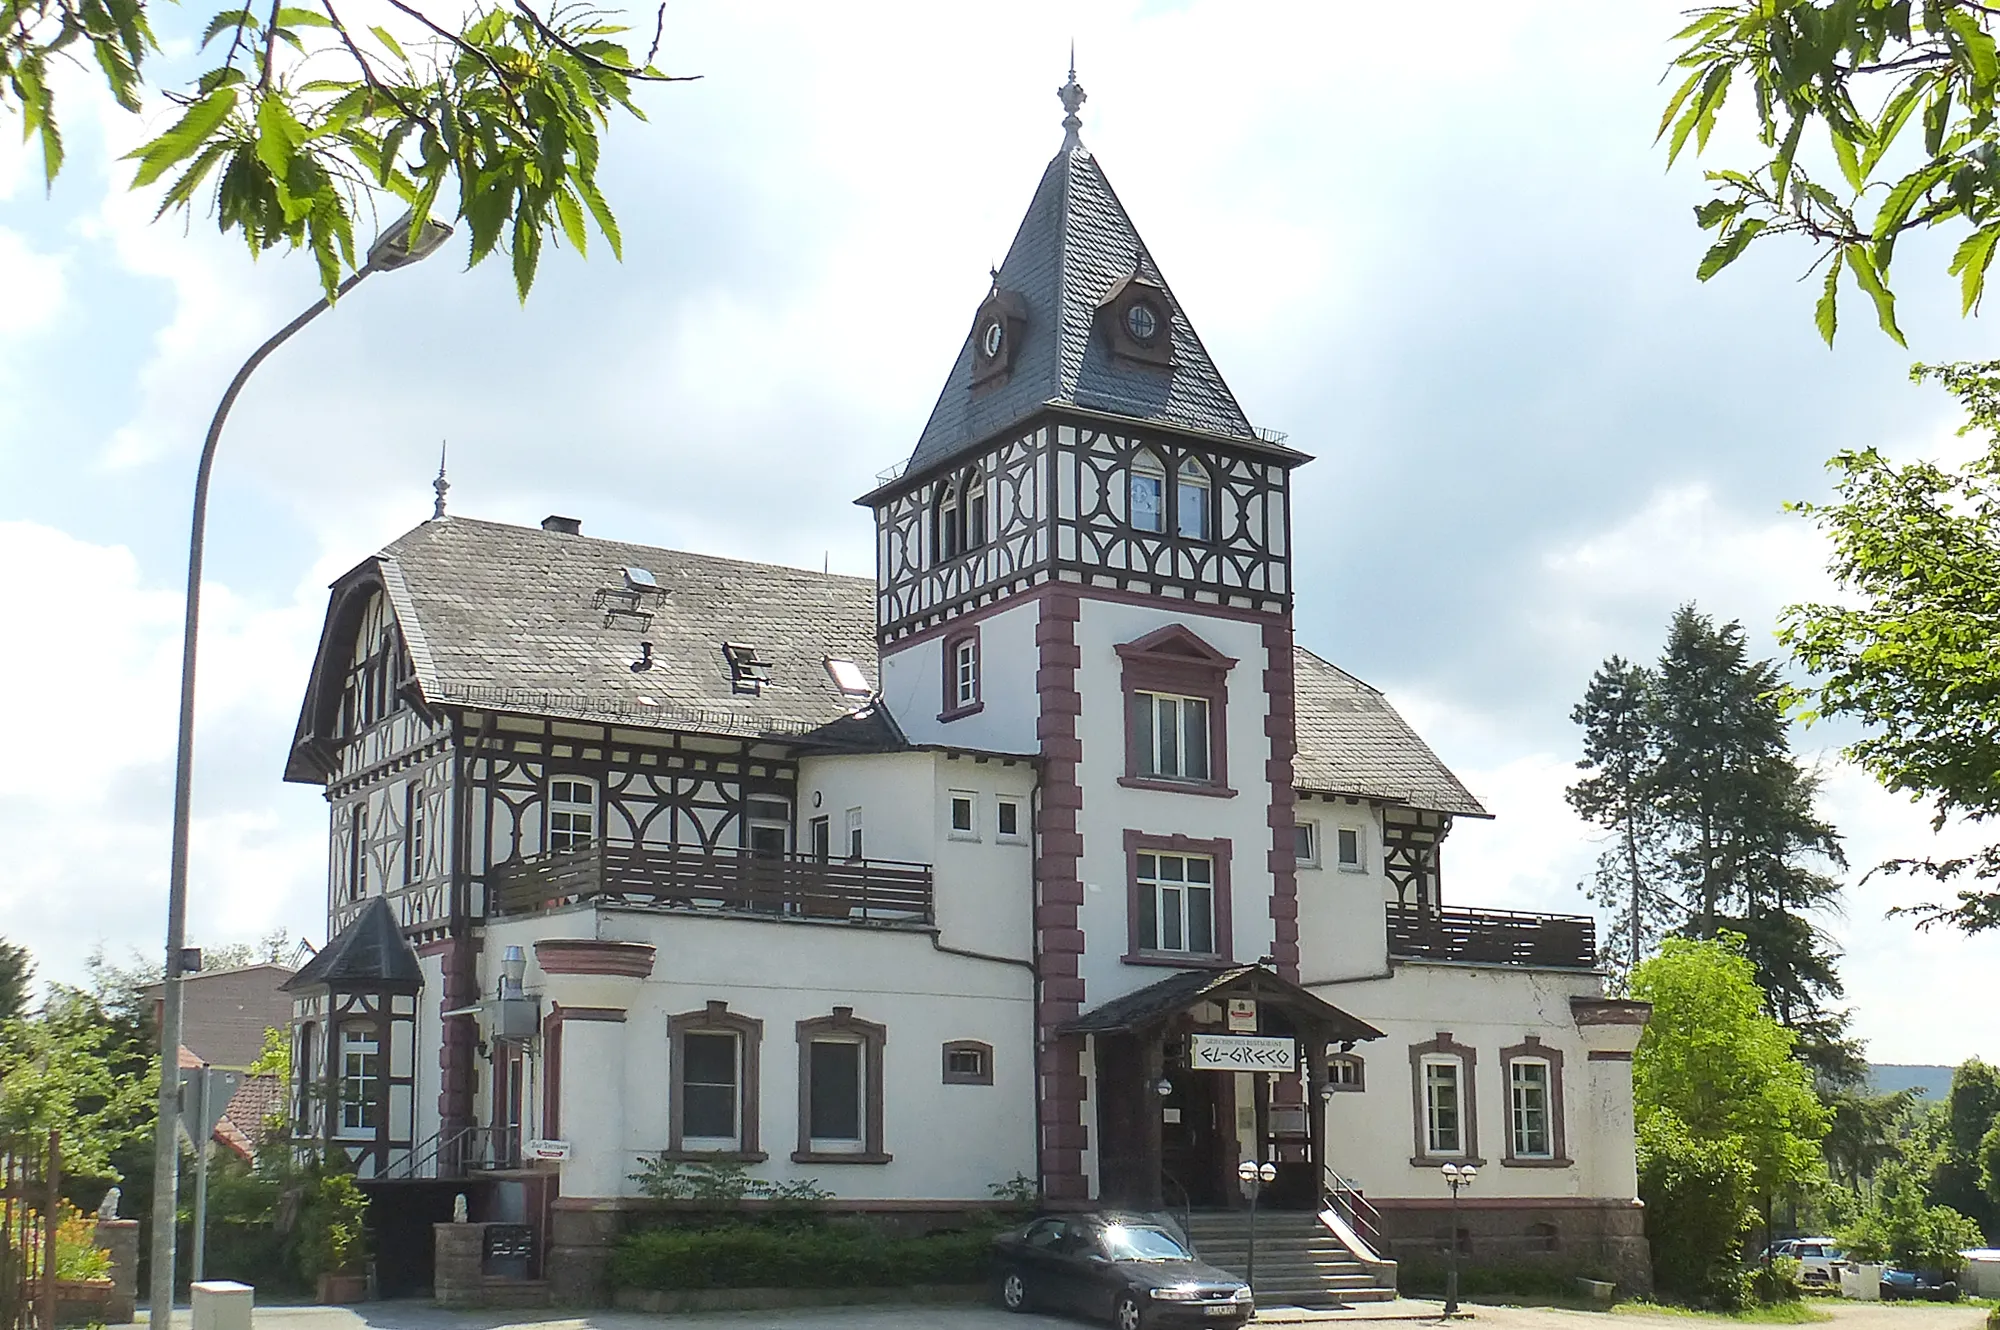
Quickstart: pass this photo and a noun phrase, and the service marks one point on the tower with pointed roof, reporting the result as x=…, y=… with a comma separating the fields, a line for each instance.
x=1087, y=556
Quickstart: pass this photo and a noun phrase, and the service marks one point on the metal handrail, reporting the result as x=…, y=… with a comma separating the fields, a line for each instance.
x=1186, y=1211
x=1345, y=1199
x=451, y=1155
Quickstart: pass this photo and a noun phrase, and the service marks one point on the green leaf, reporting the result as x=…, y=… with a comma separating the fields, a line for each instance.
x=1824, y=316
x=184, y=139
x=1781, y=169
x=601, y=212
x=1969, y=264
x=1726, y=250
x=278, y=135
x=1869, y=280
x=1976, y=42
x=571, y=213
x=291, y=17
x=1850, y=164
x=382, y=35
x=228, y=21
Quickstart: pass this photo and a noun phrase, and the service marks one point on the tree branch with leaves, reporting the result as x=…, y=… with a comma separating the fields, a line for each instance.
x=308, y=121
x=1904, y=92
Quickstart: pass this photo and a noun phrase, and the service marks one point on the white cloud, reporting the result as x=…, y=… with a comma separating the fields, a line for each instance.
x=85, y=794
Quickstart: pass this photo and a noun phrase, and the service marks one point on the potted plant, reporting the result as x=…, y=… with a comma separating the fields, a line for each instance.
x=83, y=1271
x=334, y=1244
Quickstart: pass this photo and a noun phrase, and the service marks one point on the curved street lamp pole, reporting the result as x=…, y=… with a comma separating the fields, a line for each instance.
x=393, y=249
x=1254, y=1177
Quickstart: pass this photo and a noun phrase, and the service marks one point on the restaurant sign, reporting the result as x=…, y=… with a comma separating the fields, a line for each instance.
x=1236, y=1052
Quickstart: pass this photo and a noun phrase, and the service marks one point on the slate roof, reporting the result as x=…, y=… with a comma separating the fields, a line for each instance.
x=1351, y=741
x=1075, y=244
x=1159, y=1001
x=511, y=617
x=370, y=953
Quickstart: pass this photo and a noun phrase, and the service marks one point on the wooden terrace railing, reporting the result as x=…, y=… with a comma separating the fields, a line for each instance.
x=733, y=881
x=1498, y=937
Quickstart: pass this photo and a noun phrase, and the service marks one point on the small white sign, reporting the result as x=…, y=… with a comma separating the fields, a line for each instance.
x=553, y=1150
x=1242, y=1016
x=1240, y=1052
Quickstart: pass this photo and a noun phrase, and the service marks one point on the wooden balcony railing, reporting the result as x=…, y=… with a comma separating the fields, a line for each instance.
x=1498, y=937
x=677, y=877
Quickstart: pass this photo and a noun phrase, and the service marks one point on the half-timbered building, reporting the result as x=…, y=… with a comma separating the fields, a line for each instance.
x=1047, y=853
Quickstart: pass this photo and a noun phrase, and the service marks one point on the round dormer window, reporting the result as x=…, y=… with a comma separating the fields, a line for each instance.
x=1142, y=321
x=993, y=339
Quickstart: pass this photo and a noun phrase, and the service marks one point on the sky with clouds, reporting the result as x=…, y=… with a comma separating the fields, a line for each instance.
x=1445, y=258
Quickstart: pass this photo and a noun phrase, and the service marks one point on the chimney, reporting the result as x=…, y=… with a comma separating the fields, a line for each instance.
x=563, y=526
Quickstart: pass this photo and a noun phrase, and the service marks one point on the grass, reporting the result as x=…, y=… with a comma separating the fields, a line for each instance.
x=1780, y=1313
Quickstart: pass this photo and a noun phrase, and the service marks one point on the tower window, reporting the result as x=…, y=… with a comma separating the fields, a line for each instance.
x=1191, y=501
x=1348, y=850
x=1149, y=493
x=961, y=515
x=1176, y=903
x=961, y=674
x=1172, y=736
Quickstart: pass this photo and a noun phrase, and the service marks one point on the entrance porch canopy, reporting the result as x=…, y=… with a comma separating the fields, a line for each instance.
x=1145, y=1009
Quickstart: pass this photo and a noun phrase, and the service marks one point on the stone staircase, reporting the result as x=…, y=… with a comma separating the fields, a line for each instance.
x=1300, y=1262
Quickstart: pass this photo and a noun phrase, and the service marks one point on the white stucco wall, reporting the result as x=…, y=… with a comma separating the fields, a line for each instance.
x=1373, y=1133
x=1343, y=932
x=948, y=1142
x=1110, y=809
x=913, y=685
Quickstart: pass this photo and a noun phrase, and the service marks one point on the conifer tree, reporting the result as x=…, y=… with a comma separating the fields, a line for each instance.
x=1619, y=748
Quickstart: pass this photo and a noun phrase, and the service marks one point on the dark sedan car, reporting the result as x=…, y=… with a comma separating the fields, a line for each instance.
x=1125, y=1267
x=1930, y=1284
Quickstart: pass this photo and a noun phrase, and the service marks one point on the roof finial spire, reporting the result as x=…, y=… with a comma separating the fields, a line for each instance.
x=440, y=485
x=1073, y=98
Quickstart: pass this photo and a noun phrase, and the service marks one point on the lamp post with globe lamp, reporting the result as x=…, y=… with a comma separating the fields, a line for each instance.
x=1457, y=1177
x=394, y=248
x=1254, y=1177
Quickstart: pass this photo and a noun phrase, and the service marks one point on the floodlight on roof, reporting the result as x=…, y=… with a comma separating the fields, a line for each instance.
x=848, y=678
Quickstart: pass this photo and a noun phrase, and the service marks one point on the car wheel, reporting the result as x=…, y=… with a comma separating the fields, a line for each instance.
x=1014, y=1291
x=1128, y=1315
x=1887, y=1293
x=1950, y=1292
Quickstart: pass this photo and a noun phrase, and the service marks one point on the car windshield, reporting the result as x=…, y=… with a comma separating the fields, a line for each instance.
x=1125, y=1242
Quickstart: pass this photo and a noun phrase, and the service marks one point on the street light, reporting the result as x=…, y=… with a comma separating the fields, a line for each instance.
x=1456, y=1177
x=1254, y=1177
x=393, y=249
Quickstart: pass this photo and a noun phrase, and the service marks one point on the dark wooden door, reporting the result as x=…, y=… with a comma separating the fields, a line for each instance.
x=1196, y=1138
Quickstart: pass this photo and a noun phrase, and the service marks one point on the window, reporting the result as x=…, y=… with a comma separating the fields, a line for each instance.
x=822, y=838
x=840, y=1090
x=1172, y=735
x=961, y=675
x=769, y=828
x=1344, y=1071
x=1442, y=1135
x=357, y=852
x=1347, y=850
x=572, y=813
x=307, y=1073
x=708, y=1090
x=961, y=515
x=360, y=1083
x=964, y=819
x=413, y=832
x=1446, y=1102
x=1305, y=844
x=1176, y=903
x=1191, y=501
x=968, y=1062
x=748, y=671
x=1534, y=1105
x=1007, y=819
x=713, y=1053
x=854, y=833
x=1149, y=493
x=1528, y=1094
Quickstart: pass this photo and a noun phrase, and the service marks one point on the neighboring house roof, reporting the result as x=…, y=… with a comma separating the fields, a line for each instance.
x=1351, y=741
x=256, y=1101
x=224, y=1013
x=1074, y=246
x=524, y=619
x=370, y=953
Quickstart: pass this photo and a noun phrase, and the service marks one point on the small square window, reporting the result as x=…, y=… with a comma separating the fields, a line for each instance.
x=1344, y=1072
x=1007, y=819
x=1305, y=844
x=964, y=818
x=1348, y=848
x=968, y=1062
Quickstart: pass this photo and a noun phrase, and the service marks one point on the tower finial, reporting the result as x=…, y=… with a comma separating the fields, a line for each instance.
x=1073, y=98
x=440, y=485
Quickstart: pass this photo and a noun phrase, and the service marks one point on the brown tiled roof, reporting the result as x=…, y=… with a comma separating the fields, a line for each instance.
x=256, y=1101
x=1351, y=741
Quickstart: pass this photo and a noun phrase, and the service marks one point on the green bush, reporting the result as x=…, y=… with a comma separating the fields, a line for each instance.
x=833, y=1255
x=1524, y=1279
x=1776, y=1281
x=668, y=1179
x=1697, y=1196
x=1899, y=1226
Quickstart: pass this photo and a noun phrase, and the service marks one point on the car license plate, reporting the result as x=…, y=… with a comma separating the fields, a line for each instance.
x=1220, y=1309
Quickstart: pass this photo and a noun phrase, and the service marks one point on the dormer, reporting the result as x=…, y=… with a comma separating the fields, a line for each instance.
x=996, y=337
x=1135, y=319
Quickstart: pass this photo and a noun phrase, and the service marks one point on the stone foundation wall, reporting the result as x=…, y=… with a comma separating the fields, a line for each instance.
x=1582, y=1235
x=120, y=1237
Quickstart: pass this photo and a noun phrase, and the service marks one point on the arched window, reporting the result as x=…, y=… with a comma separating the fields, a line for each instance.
x=1148, y=493
x=572, y=812
x=1191, y=501
x=961, y=515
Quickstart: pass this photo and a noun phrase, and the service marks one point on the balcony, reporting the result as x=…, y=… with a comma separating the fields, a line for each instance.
x=1493, y=937
x=867, y=891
